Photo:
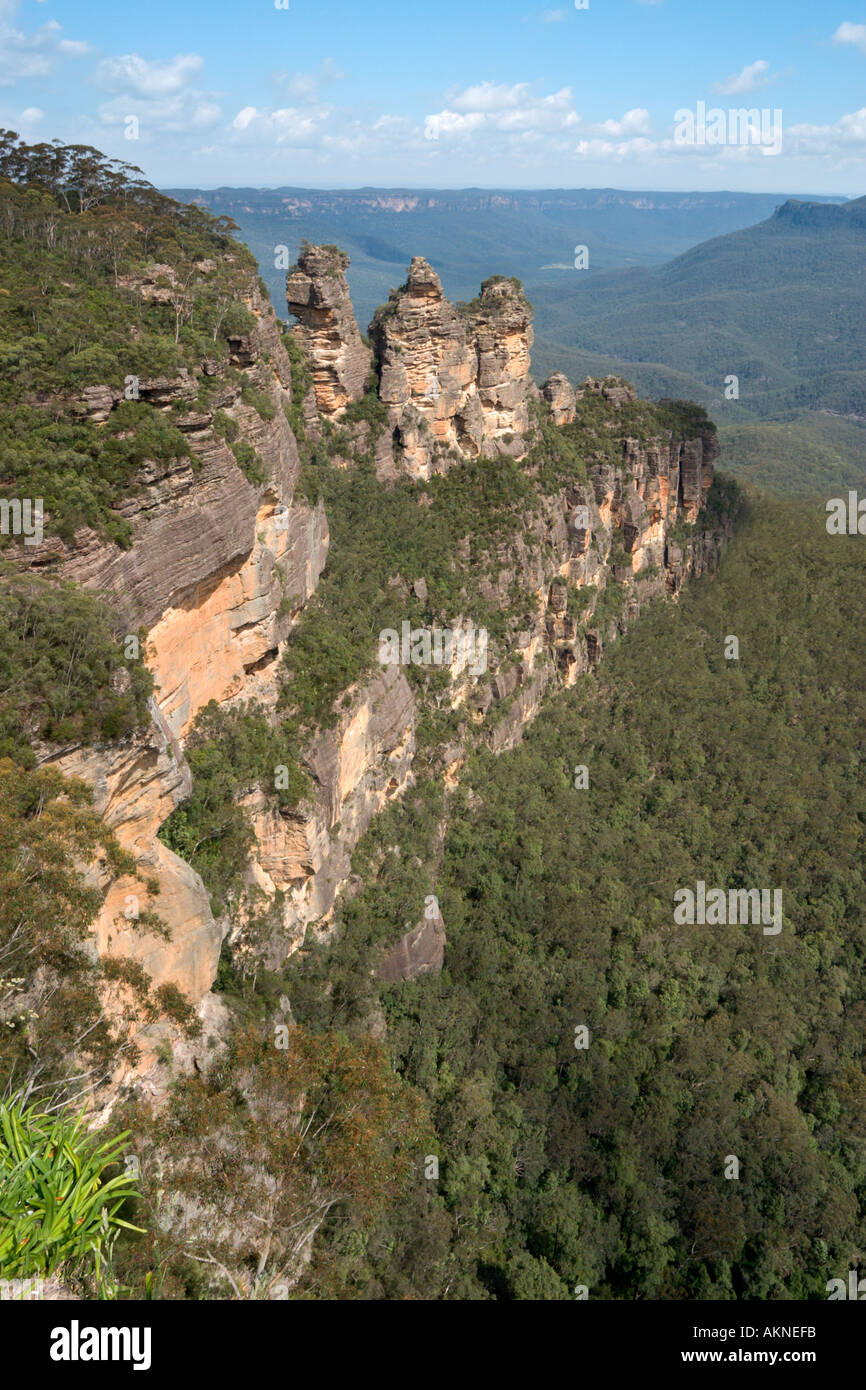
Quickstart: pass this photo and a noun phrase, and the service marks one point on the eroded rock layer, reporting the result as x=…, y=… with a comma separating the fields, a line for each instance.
x=317, y=293
x=456, y=382
x=221, y=567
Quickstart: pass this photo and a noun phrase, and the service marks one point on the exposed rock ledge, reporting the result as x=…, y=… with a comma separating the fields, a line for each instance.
x=357, y=767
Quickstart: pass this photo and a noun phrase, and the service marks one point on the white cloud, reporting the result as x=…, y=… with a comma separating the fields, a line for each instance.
x=597, y=148
x=305, y=86
x=499, y=107
x=636, y=122
x=31, y=116
x=159, y=93
x=752, y=76
x=32, y=56
x=132, y=74
x=841, y=137
x=851, y=33
x=245, y=118
x=74, y=48
x=490, y=96
x=305, y=126
x=177, y=114
x=553, y=16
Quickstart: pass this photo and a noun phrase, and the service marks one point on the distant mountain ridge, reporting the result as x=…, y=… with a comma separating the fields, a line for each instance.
x=779, y=306
x=468, y=234
x=683, y=290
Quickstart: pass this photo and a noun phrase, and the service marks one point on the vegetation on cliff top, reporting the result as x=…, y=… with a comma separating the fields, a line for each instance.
x=78, y=236
x=452, y=530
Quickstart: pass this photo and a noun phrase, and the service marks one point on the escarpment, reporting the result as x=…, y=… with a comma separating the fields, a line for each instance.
x=357, y=768
x=223, y=558
x=582, y=557
x=604, y=509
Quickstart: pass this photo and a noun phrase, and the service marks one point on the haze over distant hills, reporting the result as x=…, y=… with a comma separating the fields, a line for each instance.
x=779, y=305
x=469, y=234
x=682, y=290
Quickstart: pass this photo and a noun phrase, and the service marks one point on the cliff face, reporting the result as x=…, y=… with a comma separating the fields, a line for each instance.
x=217, y=573
x=456, y=383
x=583, y=567
x=229, y=627
x=318, y=295
x=221, y=567
x=136, y=784
x=195, y=517
x=356, y=768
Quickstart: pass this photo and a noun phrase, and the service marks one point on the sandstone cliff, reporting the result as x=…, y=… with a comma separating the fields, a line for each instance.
x=456, y=383
x=221, y=568
x=318, y=295
x=218, y=570
x=356, y=768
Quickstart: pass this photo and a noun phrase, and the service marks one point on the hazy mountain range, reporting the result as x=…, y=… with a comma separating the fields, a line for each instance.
x=682, y=291
x=469, y=234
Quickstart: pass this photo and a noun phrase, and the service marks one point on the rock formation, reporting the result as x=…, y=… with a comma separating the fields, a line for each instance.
x=137, y=782
x=356, y=768
x=318, y=295
x=456, y=383
x=420, y=951
x=220, y=569
x=560, y=396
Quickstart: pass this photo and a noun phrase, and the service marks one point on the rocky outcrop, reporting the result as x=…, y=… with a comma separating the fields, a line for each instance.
x=560, y=396
x=234, y=621
x=220, y=568
x=317, y=293
x=356, y=769
x=420, y=951
x=585, y=563
x=137, y=782
x=192, y=517
x=502, y=334
x=217, y=572
x=456, y=383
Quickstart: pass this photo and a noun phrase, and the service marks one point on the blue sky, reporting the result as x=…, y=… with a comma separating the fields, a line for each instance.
x=339, y=93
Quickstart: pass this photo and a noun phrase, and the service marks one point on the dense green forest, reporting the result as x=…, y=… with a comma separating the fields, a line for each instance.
x=604, y=1167
x=558, y=1109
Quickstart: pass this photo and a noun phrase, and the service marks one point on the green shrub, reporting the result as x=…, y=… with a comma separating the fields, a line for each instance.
x=231, y=751
x=61, y=668
x=59, y=1208
x=227, y=428
x=259, y=401
x=251, y=464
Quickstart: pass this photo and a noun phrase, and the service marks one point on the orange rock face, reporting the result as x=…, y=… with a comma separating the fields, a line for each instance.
x=230, y=625
x=456, y=382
